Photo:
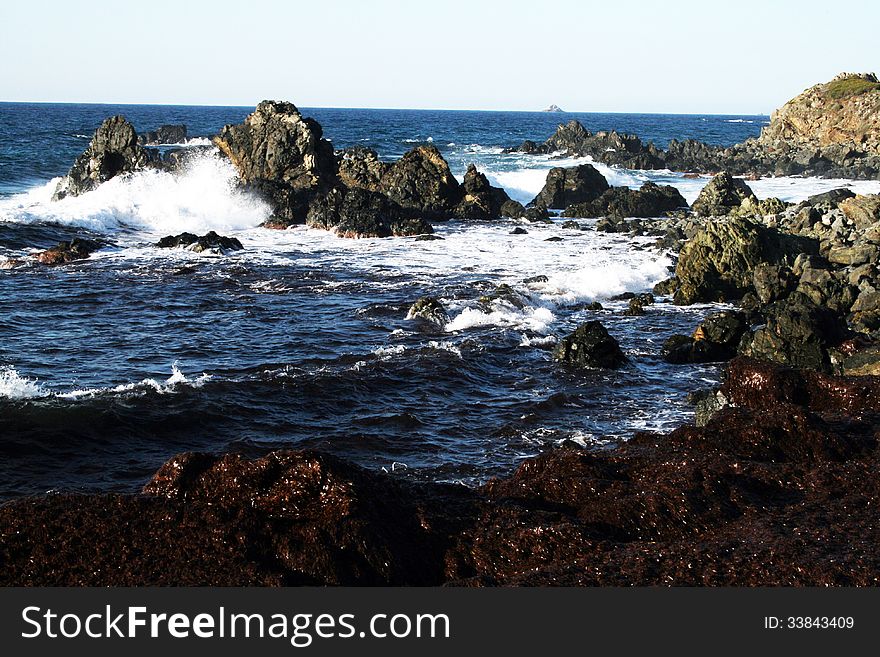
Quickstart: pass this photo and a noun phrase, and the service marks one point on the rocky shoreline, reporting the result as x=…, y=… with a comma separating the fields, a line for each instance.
x=774, y=485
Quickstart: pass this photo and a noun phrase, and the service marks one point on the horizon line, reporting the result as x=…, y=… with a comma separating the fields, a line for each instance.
x=339, y=107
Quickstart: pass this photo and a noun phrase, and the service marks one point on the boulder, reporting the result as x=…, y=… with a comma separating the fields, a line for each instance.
x=651, y=200
x=164, y=134
x=211, y=242
x=797, y=333
x=773, y=282
x=283, y=156
x=590, y=346
x=361, y=167
x=481, y=200
x=565, y=187
x=863, y=211
x=512, y=210
x=421, y=183
x=64, y=252
x=429, y=309
x=716, y=339
x=718, y=263
x=113, y=150
x=721, y=195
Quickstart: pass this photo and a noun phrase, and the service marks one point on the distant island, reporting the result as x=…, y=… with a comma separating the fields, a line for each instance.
x=554, y=108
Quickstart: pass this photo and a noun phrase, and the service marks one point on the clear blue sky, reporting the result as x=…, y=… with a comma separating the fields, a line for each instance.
x=617, y=55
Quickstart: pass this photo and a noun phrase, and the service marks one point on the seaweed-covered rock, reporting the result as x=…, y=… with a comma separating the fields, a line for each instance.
x=65, y=252
x=590, y=346
x=718, y=263
x=565, y=187
x=114, y=150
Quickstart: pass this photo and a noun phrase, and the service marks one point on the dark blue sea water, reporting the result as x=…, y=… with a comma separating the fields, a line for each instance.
x=110, y=366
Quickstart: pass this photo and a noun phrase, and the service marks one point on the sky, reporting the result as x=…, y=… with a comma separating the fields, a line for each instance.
x=675, y=56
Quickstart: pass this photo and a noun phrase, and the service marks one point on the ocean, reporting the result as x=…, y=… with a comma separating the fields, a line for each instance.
x=111, y=365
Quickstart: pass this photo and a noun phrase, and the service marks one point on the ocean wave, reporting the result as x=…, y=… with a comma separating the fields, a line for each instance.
x=204, y=197
x=15, y=387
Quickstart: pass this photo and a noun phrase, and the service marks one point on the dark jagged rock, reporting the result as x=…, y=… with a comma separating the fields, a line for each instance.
x=481, y=200
x=356, y=212
x=114, y=150
x=797, y=333
x=590, y=346
x=209, y=242
x=505, y=294
x=65, y=252
x=165, y=134
x=566, y=187
x=361, y=167
x=721, y=195
x=651, y=200
x=420, y=182
x=519, y=231
x=717, y=264
x=429, y=309
x=715, y=340
x=512, y=210
x=773, y=282
x=283, y=156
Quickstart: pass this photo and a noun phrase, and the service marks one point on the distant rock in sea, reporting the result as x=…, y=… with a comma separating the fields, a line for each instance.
x=554, y=108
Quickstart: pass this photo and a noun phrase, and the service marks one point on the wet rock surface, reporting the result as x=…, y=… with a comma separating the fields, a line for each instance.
x=778, y=488
x=565, y=187
x=65, y=252
x=210, y=242
x=590, y=346
x=114, y=150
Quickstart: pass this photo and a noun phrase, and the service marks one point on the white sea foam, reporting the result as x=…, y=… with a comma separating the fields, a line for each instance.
x=15, y=386
x=202, y=198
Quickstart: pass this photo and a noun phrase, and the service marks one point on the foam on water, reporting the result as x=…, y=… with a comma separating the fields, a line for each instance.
x=202, y=198
x=15, y=386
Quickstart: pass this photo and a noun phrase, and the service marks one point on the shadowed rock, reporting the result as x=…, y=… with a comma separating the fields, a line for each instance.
x=565, y=187
x=590, y=346
x=211, y=241
x=113, y=150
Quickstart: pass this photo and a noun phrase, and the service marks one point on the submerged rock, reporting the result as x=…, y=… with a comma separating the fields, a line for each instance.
x=429, y=309
x=65, y=252
x=209, y=242
x=590, y=346
x=114, y=150
x=565, y=187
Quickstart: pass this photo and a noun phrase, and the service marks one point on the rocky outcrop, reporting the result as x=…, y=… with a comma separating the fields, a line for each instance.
x=114, y=150
x=721, y=195
x=356, y=212
x=65, y=252
x=798, y=333
x=164, y=134
x=482, y=200
x=590, y=346
x=421, y=182
x=651, y=200
x=565, y=187
x=844, y=112
x=210, y=242
x=283, y=156
x=718, y=263
x=831, y=130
